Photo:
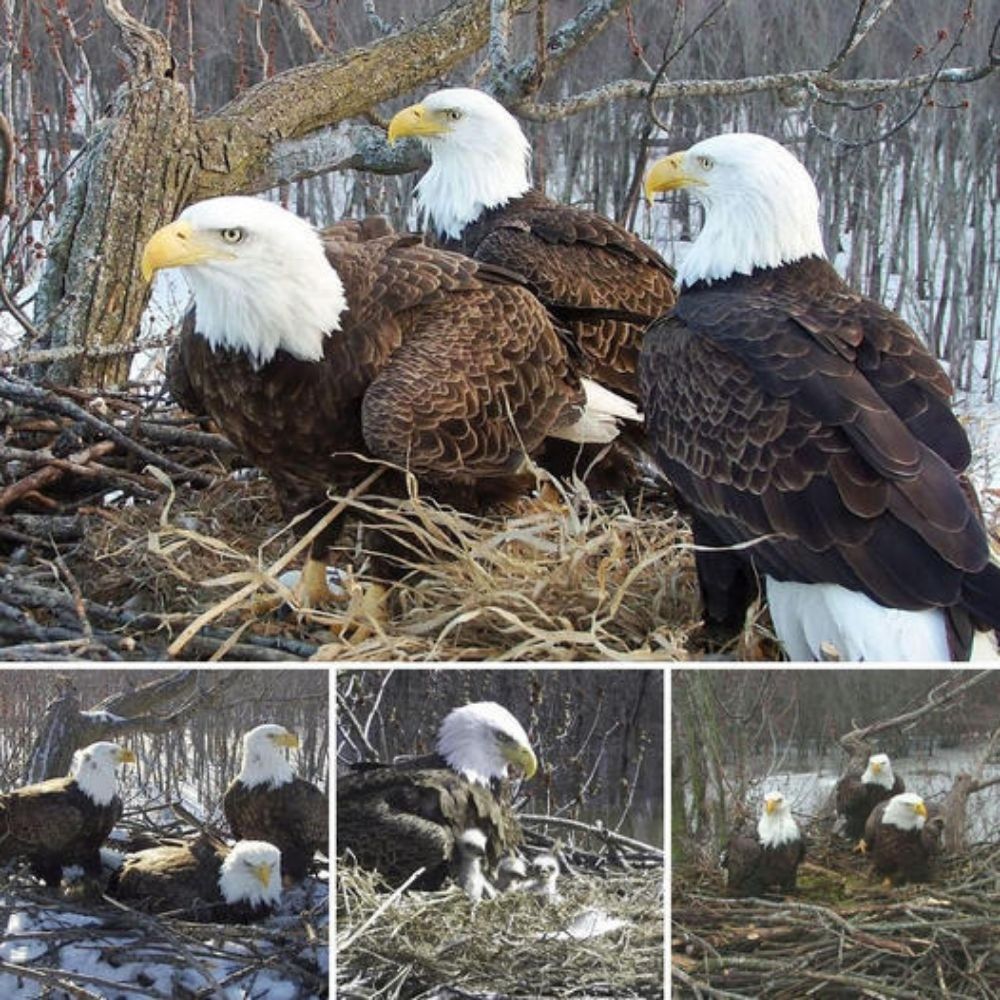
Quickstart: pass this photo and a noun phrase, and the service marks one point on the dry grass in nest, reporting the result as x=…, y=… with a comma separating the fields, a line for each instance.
x=584, y=581
x=436, y=944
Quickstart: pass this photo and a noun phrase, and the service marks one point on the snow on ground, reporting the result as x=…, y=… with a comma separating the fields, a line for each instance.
x=150, y=958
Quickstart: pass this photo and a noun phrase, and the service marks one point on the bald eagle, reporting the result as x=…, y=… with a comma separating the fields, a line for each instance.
x=859, y=792
x=595, y=277
x=266, y=801
x=64, y=821
x=808, y=427
x=204, y=880
x=767, y=857
x=903, y=838
x=401, y=817
x=317, y=356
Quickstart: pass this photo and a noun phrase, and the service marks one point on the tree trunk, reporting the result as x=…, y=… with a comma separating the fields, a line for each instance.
x=152, y=157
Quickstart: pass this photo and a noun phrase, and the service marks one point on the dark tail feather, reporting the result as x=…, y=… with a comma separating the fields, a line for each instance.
x=981, y=597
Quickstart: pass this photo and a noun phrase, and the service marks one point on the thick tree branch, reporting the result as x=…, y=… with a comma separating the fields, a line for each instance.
x=817, y=80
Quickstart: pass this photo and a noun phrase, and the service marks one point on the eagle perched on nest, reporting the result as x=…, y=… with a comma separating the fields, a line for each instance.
x=266, y=801
x=318, y=355
x=64, y=821
x=903, y=837
x=767, y=857
x=859, y=793
x=397, y=818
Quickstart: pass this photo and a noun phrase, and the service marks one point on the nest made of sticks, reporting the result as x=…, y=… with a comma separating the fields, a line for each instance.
x=437, y=944
x=109, y=558
x=841, y=935
x=64, y=944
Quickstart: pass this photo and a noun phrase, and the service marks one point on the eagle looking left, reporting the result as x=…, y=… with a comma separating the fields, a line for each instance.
x=412, y=814
x=318, y=355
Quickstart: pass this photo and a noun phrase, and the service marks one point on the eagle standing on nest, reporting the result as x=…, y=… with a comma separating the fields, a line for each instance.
x=317, y=356
x=401, y=817
x=597, y=279
x=768, y=857
x=903, y=838
x=808, y=430
x=266, y=801
x=859, y=793
x=64, y=821
x=204, y=880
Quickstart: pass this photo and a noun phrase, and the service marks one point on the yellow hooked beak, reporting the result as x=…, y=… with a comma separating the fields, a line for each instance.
x=177, y=245
x=262, y=873
x=416, y=120
x=669, y=174
x=770, y=806
x=522, y=758
x=876, y=768
x=126, y=756
x=920, y=809
x=286, y=739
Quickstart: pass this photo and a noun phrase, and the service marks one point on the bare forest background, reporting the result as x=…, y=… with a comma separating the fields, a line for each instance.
x=907, y=171
x=598, y=734
x=186, y=728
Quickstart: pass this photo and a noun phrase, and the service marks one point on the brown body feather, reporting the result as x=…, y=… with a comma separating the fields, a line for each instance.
x=294, y=817
x=181, y=879
x=597, y=279
x=442, y=365
x=784, y=404
x=54, y=824
x=856, y=799
x=753, y=869
x=903, y=855
x=396, y=819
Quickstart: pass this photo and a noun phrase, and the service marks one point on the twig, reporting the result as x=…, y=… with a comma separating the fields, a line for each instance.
x=600, y=832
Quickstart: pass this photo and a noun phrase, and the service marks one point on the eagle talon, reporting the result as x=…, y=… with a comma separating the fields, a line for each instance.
x=366, y=614
x=861, y=847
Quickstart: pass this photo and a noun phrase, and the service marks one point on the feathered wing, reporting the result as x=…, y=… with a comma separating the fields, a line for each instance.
x=741, y=860
x=856, y=800
x=294, y=817
x=398, y=820
x=826, y=434
x=181, y=877
x=595, y=277
x=905, y=854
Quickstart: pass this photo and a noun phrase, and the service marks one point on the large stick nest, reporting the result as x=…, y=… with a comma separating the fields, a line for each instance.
x=437, y=944
x=841, y=935
x=118, y=560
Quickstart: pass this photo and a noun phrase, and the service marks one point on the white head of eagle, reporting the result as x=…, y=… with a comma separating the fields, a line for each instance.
x=481, y=740
x=251, y=873
x=776, y=825
x=879, y=771
x=905, y=811
x=264, y=759
x=93, y=769
x=260, y=277
x=761, y=206
x=479, y=155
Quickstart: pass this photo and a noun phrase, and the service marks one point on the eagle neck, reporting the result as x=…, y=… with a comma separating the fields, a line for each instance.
x=265, y=765
x=750, y=229
x=462, y=183
x=775, y=829
x=95, y=779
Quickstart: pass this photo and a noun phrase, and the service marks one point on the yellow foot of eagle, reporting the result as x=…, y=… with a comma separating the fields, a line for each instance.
x=311, y=591
x=366, y=614
x=861, y=847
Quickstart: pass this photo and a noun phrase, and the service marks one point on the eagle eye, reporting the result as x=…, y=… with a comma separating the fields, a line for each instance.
x=232, y=235
x=706, y=162
x=453, y=114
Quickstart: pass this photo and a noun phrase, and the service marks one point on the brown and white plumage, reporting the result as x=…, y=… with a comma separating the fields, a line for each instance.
x=596, y=278
x=64, y=821
x=859, y=792
x=902, y=838
x=203, y=880
x=794, y=414
x=766, y=856
x=401, y=817
x=315, y=356
x=267, y=802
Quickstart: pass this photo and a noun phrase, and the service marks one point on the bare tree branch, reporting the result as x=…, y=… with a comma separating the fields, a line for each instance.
x=860, y=29
x=305, y=25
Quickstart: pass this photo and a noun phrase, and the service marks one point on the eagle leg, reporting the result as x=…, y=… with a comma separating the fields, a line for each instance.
x=366, y=614
x=887, y=882
x=861, y=847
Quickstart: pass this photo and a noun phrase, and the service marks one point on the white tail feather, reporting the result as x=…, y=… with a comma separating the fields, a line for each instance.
x=602, y=416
